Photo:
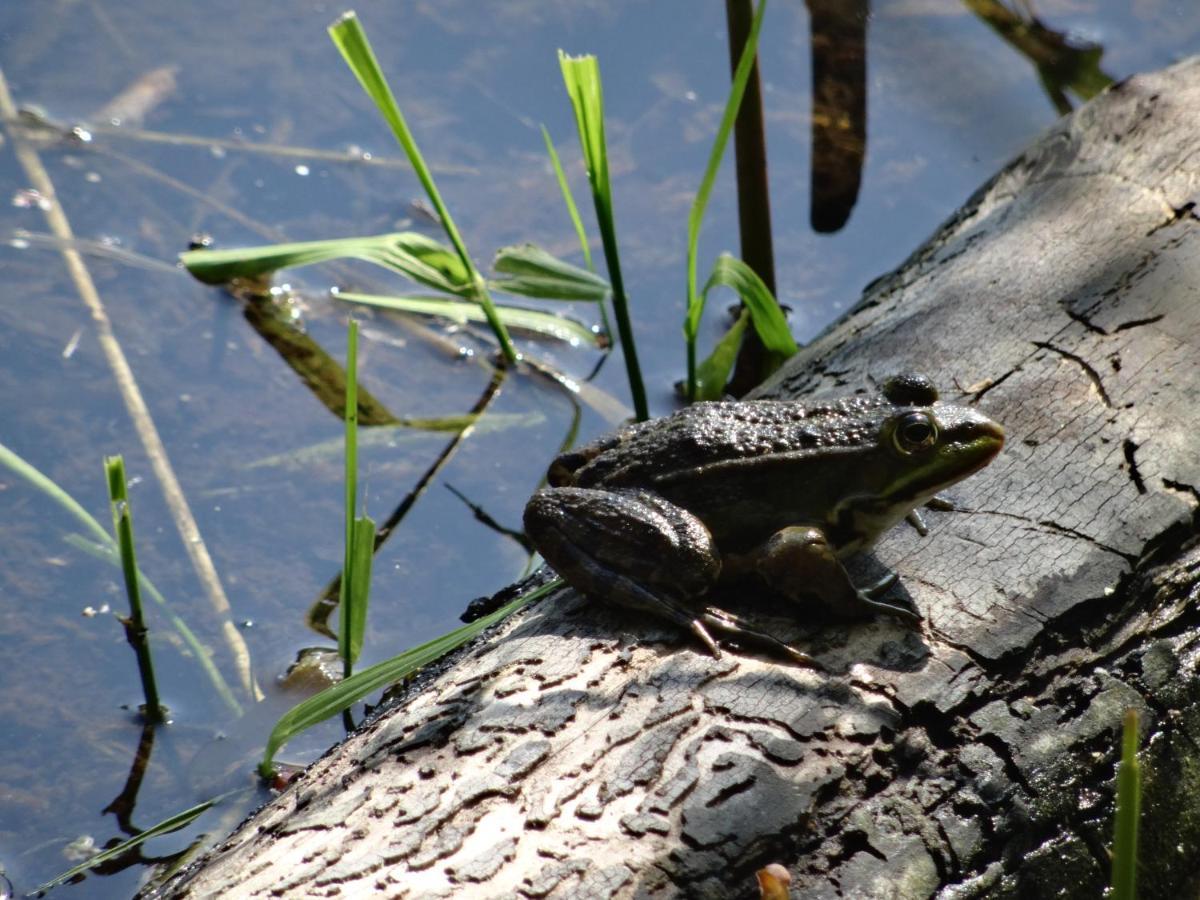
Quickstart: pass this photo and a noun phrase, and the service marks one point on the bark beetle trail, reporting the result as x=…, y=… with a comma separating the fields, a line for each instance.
x=580, y=753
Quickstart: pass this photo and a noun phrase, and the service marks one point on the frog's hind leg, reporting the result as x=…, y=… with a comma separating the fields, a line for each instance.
x=630, y=548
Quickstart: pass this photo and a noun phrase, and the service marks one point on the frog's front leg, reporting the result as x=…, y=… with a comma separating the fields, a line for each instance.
x=799, y=561
x=917, y=521
x=638, y=550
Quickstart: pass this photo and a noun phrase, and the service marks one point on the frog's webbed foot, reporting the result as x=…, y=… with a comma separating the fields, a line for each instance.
x=799, y=561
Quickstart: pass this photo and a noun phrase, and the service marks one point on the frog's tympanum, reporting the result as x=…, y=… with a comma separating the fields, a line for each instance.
x=654, y=515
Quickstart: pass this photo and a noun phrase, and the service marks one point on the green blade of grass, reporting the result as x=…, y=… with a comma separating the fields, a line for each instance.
x=568, y=198
x=166, y=826
x=106, y=549
x=412, y=255
x=532, y=272
x=135, y=625
x=695, y=301
x=564, y=187
x=352, y=620
x=713, y=372
x=543, y=323
x=351, y=40
x=362, y=554
x=1129, y=802
x=581, y=74
x=768, y=319
x=341, y=696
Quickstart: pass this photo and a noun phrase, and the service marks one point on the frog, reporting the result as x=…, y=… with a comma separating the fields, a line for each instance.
x=656, y=515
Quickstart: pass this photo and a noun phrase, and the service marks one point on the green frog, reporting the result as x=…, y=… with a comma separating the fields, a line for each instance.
x=655, y=515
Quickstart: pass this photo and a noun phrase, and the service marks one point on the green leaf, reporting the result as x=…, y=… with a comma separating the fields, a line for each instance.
x=543, y=323
x=768, y=319
x=412, y=255
x=695, y=302
x=532, y=272
x=713, y=372
x=343, y=695
x=350, y=38
x=581, y=74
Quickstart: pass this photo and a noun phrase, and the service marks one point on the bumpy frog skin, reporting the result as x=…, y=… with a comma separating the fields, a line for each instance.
x=653, y=516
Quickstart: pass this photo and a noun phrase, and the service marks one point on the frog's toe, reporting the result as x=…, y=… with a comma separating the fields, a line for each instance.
x=879, y=588
x=870, y=596
x=910, y=616
x=727, y=621
x=705, y=638
x=803, y=659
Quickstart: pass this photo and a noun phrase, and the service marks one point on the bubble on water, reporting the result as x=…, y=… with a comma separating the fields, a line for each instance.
x=28, y=198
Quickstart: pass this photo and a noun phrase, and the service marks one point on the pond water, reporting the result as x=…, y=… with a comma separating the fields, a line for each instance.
x=240, y=121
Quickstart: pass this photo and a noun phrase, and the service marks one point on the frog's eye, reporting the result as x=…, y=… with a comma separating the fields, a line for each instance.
x=914, y=432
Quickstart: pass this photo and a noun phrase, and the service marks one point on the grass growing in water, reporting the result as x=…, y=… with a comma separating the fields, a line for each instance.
x=100, y=543
x=581, y=74
x=355, y=586
x=351, y=40
x=135, y=624
x=706, y=380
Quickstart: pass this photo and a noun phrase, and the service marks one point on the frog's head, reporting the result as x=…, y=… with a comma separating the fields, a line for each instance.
x=918, y=449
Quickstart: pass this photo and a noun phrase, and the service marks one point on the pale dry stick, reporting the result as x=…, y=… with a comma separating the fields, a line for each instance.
x=308, y=154
x=135, y=404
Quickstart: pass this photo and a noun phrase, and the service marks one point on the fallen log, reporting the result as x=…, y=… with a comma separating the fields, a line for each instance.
x=585, y=752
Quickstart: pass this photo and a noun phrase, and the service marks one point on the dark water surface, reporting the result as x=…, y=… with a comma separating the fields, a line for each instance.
x=237, y=135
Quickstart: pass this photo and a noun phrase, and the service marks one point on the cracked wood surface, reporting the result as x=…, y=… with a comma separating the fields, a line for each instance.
x=580, y=753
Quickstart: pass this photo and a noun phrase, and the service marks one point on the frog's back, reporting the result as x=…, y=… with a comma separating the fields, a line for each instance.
x=707, y=434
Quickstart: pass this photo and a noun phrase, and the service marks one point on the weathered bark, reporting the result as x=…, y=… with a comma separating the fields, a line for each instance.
x=579, y=752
